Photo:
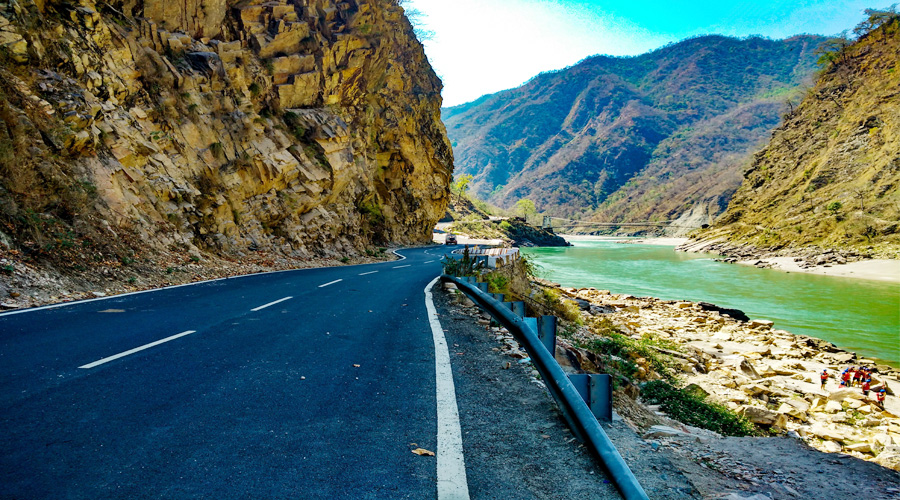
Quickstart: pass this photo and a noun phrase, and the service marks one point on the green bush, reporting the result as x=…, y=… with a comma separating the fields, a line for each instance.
x=497, y=282
x=466, y=266
x=692, y=408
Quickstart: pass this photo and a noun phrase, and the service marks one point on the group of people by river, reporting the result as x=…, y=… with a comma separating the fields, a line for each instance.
x=858, y=377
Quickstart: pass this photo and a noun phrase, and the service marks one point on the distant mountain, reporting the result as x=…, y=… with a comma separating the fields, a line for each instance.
x=830, y=177
x=632, y=138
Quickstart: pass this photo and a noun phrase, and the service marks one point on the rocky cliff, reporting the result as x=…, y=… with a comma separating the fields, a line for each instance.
x=620, y=139
x=215, y=127
x=829, y=178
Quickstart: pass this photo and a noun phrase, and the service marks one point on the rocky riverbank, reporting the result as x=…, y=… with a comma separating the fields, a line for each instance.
x=676, y=461
x=766, y=374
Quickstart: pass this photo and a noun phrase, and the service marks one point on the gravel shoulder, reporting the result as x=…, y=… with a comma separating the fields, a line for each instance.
x=516, y=442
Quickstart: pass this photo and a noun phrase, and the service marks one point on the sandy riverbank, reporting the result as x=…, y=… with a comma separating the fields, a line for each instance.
x=875, y=269
x=834, y=262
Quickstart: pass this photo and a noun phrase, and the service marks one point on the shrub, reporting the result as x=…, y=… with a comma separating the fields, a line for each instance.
x=692, y=408
x=466, y=266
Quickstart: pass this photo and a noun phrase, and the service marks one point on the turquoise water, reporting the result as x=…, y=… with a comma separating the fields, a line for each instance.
x=857, y=315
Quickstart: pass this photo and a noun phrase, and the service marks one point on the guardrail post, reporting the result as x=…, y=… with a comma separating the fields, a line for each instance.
x=482, y=286
x=601, y=397
x=532, y=323
x=596, y=390
x=518, y=308
x=497, y=296
x=546, y=331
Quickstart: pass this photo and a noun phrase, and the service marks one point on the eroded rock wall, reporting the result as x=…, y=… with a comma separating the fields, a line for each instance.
x=304, y=127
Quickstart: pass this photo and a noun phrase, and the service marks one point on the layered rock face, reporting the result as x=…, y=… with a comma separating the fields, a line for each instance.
x=305, y=127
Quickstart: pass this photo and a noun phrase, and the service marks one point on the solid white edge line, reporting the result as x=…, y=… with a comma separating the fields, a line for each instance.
x=398, y=267
x=136, y=349
x=451, y=465
x=330, y=283
x=270, y=304
x=370, y=272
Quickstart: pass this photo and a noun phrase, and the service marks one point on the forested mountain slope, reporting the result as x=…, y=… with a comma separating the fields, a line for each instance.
x=632, y=138
x=830, y=176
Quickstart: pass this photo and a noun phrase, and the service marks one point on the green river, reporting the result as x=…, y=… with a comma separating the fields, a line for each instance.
x=857, y=315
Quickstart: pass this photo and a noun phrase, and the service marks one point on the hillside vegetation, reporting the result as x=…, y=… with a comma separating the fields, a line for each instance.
x=830, y=175
x=637, y=138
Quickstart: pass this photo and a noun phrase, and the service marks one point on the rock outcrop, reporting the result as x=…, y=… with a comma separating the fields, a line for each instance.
x=304, y=128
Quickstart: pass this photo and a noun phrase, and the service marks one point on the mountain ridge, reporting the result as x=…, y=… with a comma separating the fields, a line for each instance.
x=571, y=139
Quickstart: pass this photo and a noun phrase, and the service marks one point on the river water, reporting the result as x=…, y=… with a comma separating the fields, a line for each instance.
x=857, y=315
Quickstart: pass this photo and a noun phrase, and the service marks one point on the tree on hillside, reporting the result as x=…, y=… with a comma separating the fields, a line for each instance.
x=461, y=185
x=525, y=207
x=876, y=19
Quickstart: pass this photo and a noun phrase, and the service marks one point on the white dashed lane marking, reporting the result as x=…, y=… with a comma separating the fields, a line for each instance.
x=136, y=349
x=330, y=283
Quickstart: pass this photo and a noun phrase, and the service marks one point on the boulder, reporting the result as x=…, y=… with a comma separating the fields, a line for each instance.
x=800, y=404
x=740, y=365
x=842, y=394
x=734, y=313
x=860, y=447
x=794, y=412
x=833, y=407
x=762, y=416
x=661, y=431
x=889, y=457
x=831, y=447
x=766, y=371
x=761, y=324
x=828, y=433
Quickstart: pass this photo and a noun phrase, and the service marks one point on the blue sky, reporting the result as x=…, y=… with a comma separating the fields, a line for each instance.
x=483, y=46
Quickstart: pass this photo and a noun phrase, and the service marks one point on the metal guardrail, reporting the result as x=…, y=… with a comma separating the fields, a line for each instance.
x=576, y=412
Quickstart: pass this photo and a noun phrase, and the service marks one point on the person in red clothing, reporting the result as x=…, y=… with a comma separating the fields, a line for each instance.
x=880, y=397
x=866, y=388
x=824, y=377
x=845, y=378
x=857, y=376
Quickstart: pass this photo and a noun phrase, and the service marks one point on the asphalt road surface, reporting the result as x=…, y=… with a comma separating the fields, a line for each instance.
x=307, y=384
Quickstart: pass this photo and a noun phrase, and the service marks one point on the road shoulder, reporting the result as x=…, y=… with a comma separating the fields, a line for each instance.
x=516, y=442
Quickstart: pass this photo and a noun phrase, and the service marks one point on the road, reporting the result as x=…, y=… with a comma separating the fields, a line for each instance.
x=308, y=384
x=320, y=395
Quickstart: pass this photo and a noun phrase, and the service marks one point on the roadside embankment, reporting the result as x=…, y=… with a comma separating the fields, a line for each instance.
x=24, y=284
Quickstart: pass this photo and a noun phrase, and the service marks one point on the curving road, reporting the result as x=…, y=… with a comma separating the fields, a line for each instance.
x=302, y=384
x=309, y=384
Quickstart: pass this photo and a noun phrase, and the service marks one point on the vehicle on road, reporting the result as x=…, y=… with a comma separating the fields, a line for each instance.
x=451, y=239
